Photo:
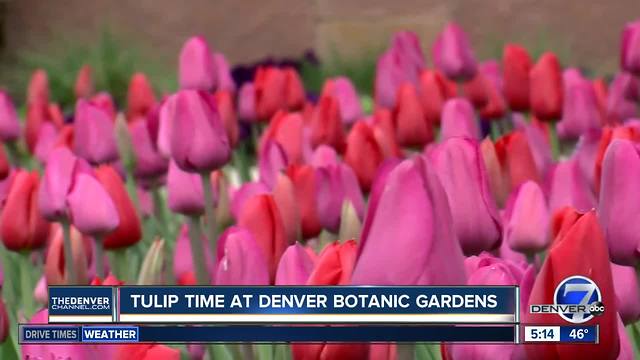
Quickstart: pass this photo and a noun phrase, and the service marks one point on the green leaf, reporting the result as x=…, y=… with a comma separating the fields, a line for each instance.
x=264, y=351
x=282, y=352
x=634, y=334
x=8, y=350
x=219, y=352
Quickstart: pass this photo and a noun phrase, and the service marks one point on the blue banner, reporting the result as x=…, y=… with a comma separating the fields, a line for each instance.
x=35, y=334
x=80, y=304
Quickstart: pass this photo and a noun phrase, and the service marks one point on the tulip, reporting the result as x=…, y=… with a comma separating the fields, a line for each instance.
x=41, y=292
x=223, y=73
x=183, y=268
x=475, y=216
x=295, y=266
x=477, y=90
x=545, y=88
x=241, y=260
x=434, y=90
x=304, y=181
x=149, y=163
x=271, y=161
x=579, y=248
x=97, y=217
x=458, y=120
x=626, y=349
x=343, y=90
x=569, y=187
x=247, y=102
x=498, y=184
x=47, y=139
x=580, y=113
x=104, y=101
x=625, y=284
x=630, y=48
x=337, y=184
x=84, y=83
x=606, y=137
x=335, y=264
x=21, y=225
x=261, y=217
x=277, y=89
x=94, y=136
x=110, y=280
x=516, y=159
x=4, y=322
x=384, y=133
x=196, y=66
x=38, y=89
x=516, y=64
x=185, y=191
x=284, y=195
x=527, y=219
x=226, y=109
x=495, y=107
x=294, y=90
x=245, y=192
x=619, y=107
x=288, y=131
x=129, y=230
x=363, y=153
x=140, y=97
x=9, y=123
x=324, y=156
x=535, y=132
x=411, y=126
x=326, y=124
x=56, y=264
x=619, y=197
x=37, y=114
x=198, y=139
x=453, y=55
x=146, y=352
x=62, y=167
x=425, y=250
x=5, y=166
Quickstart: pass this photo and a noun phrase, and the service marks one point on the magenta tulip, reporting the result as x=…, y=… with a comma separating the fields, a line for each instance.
x=247, y=103
x=619, y=205
x=199, y=141
x=526, y=219
x=271, y=160
x=296, y=264
x=185, y=192
x=240, y=259
x=197, y=68
x=335, y=185
x=47, y=139
x=619, y=108
x=324, y=155
x=580, y=112
x=223, y=73
x=569, y=187
x=344, y=91
x=630, y=48
x=149, y=162
x=625, y=284
x=538, y=143
x=96, y=217
x=9, y=123
x=459, y=120
x=94, y=138
x=453, y=55
x=462, y=172
x=245, y=192
x=409, y=229
x=183, y=267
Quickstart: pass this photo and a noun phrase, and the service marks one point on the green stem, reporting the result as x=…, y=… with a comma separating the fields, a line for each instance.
x=133, y=192
x=240, y=161
x=99, y=257
x=405, y=351
x=26, y=285
x=555, y=144
x=209, y=211
x=68, y=254
x=247, y=351
x=158, y=212
x=13, y=152
x=197, y=251
x=495, y=130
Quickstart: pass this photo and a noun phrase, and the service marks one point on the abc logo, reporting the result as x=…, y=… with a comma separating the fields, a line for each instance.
x=580, y=291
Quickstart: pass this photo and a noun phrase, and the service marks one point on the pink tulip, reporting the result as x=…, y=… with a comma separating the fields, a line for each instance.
x=247, y=103
x=185, y=192
x=538, y=143
x=271, y=161
x=95, y=217
x=453, y=55
x=244, y=193
x=47, y=140
x=324, y=155
x=197, y=68
x=183, y=267
x=40, y=293
x=619, y=204
x=335, y=185
x=585, y=154
x=409, y=229
x=569, y=187
x=580, y=112
x=198, y=139
x=296, y=264
x=462, y=172
x=527, y=219
x=149, y=162
x=223, y=73
x=459, y=120
x=625, y=284
x=9, y=123
x=630, y=48
x=94, y=138
x=240, y=259
x=619, y=107
x=343, y=90
x=626, y=348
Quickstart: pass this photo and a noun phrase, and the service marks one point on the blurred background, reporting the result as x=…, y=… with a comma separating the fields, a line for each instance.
x=118, y=38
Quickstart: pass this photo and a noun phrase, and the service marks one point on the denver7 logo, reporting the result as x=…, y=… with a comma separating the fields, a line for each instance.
x=581, y=291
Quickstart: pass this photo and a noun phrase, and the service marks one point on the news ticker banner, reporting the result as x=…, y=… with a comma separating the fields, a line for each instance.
x=64, y=334
x=284, y=304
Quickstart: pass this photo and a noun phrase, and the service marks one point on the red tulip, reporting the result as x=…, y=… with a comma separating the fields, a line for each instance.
x=579, y=248
x=277, y=89
x=140, y=97
x=304, y=182
x=260, y=215
x=5, y=167
x=4, y=322
x=21, y=225
x=363, y=153
x=326, y=124
x=54, y=265
x=516, y=159
x=110, y=280
x=545, y=88
x=226, y=109
x=38, y=90
x=516, y=64
x=37, y=114
x=287, y=130
x=285, y=196
x=411, y=125
x=84, y=83
x=435, y=89
x=129, y=230
x=608, y=135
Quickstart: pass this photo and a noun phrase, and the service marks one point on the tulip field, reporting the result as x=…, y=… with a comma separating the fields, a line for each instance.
x=509, y=171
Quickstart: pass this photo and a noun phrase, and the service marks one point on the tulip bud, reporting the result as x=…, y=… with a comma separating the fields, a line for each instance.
x=38, y=89
x=183, y=267
x=241, y=260
x=580, y=112
x=516, y=159
x=453, y=55
x=495, y=107
x=527, y=219
x=363, y=153
x=475, y=216
x=227, y=111
x=434, y=90
x=198, y=139
x=245, y=192
x=536, y=134
x=305, y=185
x=21, y=225
x=140, y=97
x=516, y=64
x=545, y=88
x=619, y=107
x=285, y=197
x=223, y=73
x=335, y=264
x=152, y=265
x=197, y=69
x=84, y=83
x=97, y=217
x=40, y=293
x=569, y=187
x=335, y=185
x=459, y=120
x=625, y=284
x=630, y=48
x=47, y=139
x=343, y=90
x=271, y=160
x=247, y=103
x=149, y=163
x=287, y=130
x=9, y=123
x=185, y=192
x=497, y=182
x=411, y=126
x=54, y=267
x=326, y=124
x=94, y=136
x=295, y=266
x=109, y=280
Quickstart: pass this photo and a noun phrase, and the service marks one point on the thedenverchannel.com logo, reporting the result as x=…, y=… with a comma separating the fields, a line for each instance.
x=577, y=299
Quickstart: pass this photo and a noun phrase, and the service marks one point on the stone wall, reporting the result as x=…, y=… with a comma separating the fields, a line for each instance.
x=584, y=32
